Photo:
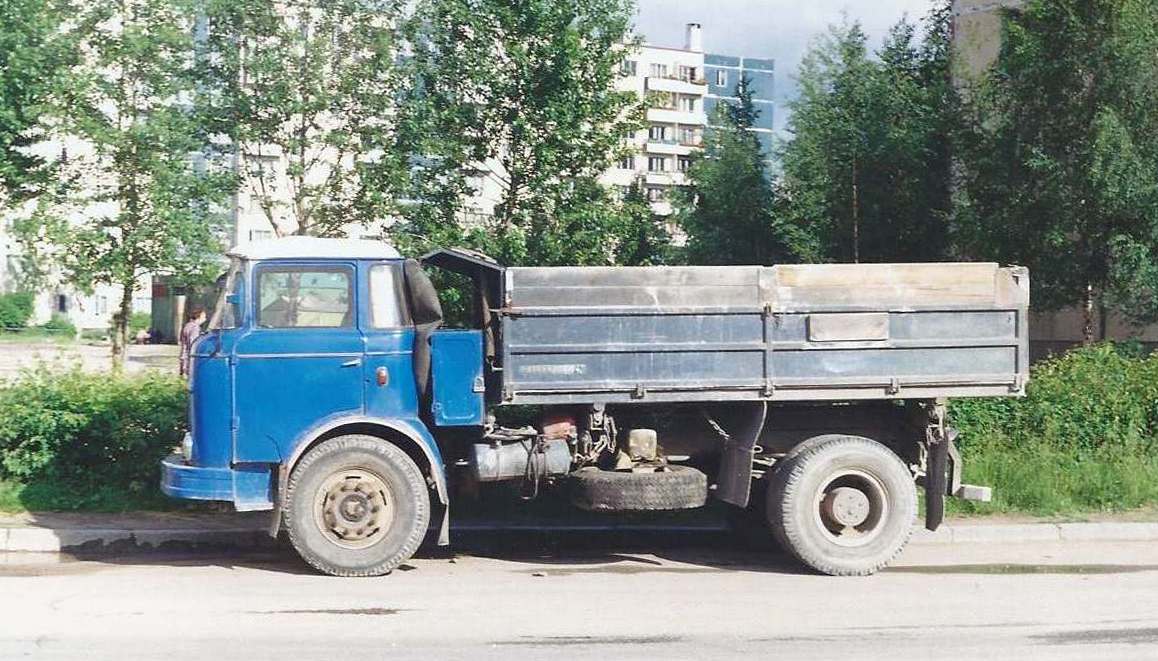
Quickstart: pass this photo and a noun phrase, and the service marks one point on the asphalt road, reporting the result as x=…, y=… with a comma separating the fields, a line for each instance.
x=513, y=595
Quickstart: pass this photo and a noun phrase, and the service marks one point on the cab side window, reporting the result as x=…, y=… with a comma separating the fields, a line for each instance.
x=386, y=297
x=305, y=297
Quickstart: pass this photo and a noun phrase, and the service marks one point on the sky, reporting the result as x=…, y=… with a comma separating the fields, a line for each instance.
x=777, y=29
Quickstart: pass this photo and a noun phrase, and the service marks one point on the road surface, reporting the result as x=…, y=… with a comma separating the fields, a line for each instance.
x=514, y=596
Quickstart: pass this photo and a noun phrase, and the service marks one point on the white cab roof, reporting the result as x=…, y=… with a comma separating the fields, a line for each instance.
x=310, y=247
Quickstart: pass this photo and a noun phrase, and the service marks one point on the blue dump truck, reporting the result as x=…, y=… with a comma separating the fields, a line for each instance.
x=328, y=392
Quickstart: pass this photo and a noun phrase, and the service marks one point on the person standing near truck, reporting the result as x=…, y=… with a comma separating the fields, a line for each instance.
x=189, y=334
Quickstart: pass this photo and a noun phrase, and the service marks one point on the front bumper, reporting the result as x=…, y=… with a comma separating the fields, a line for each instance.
x=247, y=487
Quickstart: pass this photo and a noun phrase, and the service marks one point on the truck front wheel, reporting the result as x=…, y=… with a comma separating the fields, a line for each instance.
x=356, y=506
x=843, y=505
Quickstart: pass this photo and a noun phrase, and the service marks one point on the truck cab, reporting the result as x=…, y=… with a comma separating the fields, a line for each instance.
x=314, y=339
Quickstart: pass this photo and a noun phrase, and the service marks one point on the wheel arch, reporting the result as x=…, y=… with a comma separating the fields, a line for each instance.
x=412, y=438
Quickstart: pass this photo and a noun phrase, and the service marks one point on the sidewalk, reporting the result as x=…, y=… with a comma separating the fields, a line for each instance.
x=70, y=532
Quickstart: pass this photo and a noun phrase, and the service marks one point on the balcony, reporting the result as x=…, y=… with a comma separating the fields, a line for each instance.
x=674, y=116
x=676, y=85
x=667, y=178
x=668, y=146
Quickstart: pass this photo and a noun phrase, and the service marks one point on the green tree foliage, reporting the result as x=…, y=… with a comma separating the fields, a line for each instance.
x=866, y=173
x=645, y=238
x=523, y=94
x=34, y=53
x=1060, y=159
x=136, y=196
x=725, y=211
x=306, y=94
x=15, y=309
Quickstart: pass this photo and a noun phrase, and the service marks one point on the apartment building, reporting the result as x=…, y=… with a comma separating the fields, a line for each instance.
x=683, y=87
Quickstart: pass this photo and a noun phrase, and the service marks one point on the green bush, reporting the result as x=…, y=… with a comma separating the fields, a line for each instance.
x=60, y=324
x=139, y=321
x=79, y=431
x=15, y=309
x=1083, y=437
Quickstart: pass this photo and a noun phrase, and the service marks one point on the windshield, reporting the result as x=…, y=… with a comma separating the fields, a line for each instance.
x=225, y=314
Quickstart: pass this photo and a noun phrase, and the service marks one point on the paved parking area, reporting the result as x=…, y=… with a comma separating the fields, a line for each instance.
x=92, y=357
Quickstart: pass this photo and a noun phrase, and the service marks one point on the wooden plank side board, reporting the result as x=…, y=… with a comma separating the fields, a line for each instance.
x=883, y=286
x=781, y=288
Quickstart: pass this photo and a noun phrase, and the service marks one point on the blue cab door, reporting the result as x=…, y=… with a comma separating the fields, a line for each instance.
x=388, y=367
x=300, y=363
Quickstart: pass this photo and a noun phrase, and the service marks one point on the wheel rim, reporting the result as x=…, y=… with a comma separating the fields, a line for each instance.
x=354, y=508
x=851, y=508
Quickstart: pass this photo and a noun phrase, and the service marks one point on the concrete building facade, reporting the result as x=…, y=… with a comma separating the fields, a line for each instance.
x=683, y=87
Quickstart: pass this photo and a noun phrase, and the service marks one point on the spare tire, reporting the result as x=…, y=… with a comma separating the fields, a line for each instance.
x=674, y=488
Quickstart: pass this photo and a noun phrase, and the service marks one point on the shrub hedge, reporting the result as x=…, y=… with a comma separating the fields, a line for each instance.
x=15, y=309
x=60, y=324
x=83, y=432
x=1085, y=437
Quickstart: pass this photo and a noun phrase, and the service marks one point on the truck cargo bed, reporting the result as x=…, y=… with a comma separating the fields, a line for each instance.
x=779, y=333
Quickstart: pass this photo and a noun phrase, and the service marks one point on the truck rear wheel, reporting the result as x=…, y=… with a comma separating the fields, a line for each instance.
x=843, y=505
x=356, y=506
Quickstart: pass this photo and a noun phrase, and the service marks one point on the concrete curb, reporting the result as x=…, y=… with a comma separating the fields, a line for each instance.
x=1038, y=532
x=34, y=539
x=95, y=540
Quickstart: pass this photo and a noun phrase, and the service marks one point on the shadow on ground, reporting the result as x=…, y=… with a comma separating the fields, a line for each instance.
x=535, y=552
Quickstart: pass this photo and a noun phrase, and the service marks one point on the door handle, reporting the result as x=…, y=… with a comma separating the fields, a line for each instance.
x=352, y=363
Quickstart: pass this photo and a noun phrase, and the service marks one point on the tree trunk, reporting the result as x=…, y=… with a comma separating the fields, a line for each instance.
x=855, y=217
x=121, y=329
x=1088, y=316
x=1103, y=318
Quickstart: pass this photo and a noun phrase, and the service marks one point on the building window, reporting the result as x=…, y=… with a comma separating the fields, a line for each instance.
x=654, y=194
x=656, y=164
x=721, y=78
x=688, y=103
x=627, y=68
x=687, y=74
x=260, y=235
x=61, y=303
x=658, y=70
x=690, y=136
x=627, y=163
x=684, y=163
x=657, y=133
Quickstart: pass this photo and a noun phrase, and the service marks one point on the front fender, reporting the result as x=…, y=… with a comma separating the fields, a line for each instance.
x=413, y=430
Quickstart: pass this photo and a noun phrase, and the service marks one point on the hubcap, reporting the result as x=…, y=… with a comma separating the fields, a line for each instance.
x=354, y=508
x=851, y=508
x=846, y=506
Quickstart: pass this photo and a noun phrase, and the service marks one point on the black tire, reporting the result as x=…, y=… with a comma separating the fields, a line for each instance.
x=374, y=479
x=677, y=488
x=810, y=531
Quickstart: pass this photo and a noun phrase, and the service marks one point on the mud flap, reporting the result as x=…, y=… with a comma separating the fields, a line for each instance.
x=936, y=482
x=734, y=481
